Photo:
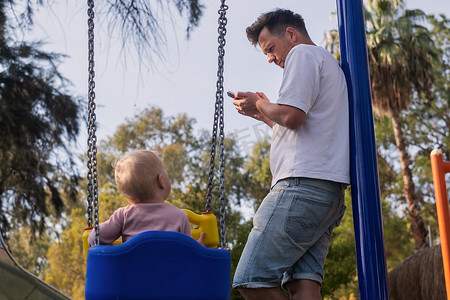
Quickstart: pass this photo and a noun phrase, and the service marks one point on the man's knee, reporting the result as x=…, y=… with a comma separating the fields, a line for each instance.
x=248, y=294
x=299, y=289
x=262, y=294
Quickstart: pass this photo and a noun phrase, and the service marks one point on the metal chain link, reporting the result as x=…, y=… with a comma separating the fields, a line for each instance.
x=222, y=32
x=219, y=124
x=92, y=186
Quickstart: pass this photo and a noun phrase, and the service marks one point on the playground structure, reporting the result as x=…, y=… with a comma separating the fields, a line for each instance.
x=158, y=264
x=440, y=168
x=18, y=283
x=425, y=274
x=367, y=218
x=365, y=188
x=372, y=271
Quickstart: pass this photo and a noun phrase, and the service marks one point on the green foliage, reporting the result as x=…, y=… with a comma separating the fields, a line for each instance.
x=239, y=241
x=175, y=160
x=340, y=265
x=30, y=251
x=341, y=278
x=257, y=172
x=426, y=125
x=38, y=118
x=403, y=57
x=141, y=23
x=186, y=158
x=109, y=200
x=38, y=123
x=65, y=256
x=398, y=240
x=67, y=264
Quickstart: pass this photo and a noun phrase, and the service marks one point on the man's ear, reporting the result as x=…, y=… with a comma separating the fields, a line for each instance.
x=291, y=34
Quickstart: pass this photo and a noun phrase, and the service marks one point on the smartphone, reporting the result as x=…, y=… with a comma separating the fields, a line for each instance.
x=231, y=94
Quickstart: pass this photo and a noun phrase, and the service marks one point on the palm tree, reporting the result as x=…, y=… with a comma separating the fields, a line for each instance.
x=401, y=58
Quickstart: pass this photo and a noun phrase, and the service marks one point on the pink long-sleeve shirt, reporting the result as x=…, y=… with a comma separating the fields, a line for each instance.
x=133, y=219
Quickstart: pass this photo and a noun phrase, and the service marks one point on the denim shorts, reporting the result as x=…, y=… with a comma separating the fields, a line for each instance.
x=291, y=233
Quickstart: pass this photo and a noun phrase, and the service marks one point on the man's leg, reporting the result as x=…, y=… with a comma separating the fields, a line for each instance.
x=304, y=278
x=303, y=289
x=263, y=294
x=268, y=251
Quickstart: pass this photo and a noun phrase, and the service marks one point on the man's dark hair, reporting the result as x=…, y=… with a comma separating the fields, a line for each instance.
x=276, y=22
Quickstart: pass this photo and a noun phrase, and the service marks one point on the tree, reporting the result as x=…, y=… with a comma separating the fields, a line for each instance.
x=30, y=251
x=257, y=172
x=402, y=55
x=141, y=23
x=429, y=123
x=66, y=269
x=340, y=266
x=39, y=117
x=186, y=157
x=66, y=261
x=38, y=122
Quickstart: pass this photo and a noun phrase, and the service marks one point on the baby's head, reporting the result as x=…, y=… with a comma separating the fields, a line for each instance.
x=141, y=177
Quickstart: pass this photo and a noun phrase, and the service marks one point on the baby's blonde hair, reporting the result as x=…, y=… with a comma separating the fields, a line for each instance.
x=136, y=174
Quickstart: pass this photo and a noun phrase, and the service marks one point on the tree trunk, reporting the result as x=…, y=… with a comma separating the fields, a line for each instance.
x=417, y=225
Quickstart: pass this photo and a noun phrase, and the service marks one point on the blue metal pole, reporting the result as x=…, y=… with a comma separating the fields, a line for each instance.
x=372, y=274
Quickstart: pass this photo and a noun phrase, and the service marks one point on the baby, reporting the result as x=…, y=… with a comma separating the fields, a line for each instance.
x=142, y=179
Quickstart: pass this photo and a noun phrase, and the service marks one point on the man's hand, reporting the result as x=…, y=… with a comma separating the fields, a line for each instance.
x=259, y=107
x=246, y=104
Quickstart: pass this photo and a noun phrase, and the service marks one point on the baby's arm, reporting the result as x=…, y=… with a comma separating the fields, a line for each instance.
x=110, y=230
x=185, y=225
x=186, y=229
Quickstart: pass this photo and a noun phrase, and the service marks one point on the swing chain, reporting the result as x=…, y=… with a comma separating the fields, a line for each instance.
x=92, y=186
x=219, y=124
x=222, y=32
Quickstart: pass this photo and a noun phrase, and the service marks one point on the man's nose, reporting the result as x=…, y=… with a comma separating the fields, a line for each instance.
x=270, y=58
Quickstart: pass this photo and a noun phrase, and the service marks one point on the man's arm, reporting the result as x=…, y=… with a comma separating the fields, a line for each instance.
x=258, y=106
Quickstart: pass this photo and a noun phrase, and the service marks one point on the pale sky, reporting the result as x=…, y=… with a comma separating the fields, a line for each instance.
x=186, y=83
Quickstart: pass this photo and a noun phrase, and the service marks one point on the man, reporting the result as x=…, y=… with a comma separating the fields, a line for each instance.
x=309, y=161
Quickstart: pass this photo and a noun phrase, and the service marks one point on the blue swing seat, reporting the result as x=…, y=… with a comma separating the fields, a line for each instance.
x=158, y=265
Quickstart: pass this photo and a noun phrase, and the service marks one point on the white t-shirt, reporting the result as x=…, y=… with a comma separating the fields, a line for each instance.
x=314, y=82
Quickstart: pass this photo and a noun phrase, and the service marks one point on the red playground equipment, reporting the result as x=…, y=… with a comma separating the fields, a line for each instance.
x=440, y=168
